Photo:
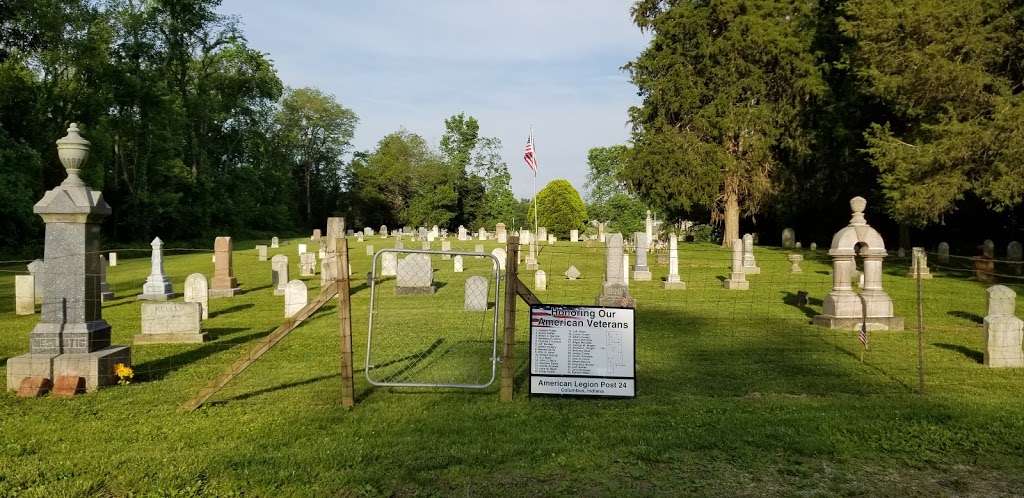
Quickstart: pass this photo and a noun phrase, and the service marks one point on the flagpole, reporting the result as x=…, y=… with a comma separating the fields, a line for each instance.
x=536, y=205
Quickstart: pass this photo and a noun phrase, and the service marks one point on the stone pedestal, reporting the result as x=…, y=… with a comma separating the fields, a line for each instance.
x=157, y=286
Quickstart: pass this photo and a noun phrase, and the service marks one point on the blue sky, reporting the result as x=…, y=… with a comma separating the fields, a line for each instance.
x=410, y=64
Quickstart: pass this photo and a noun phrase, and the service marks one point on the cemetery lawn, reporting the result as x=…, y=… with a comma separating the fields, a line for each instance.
x=737, y=395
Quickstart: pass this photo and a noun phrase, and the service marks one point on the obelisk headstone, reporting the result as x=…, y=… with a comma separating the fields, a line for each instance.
x=672, y=281
x=641, y=272
x=614, y=291
x=157, y=286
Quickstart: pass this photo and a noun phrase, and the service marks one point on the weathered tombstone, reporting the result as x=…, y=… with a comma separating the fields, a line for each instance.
x=35, y=268
x=399, y=244
x=482, y=234
x=71, y=337
x=794, y=260
x=383, y=231
x=614, y=291
x=901, y=253
x=369, y=249
x=367, y=232
x=918, y=254
x=224, y=283
x=988, y=248
x=480, y=249
x=641, y=272
x=542, y=233
x=814, y=246
x=625, y=268
x=279, y=273
x=984, y=269
x=500, y=254
x=531, y=257
x=649, y=227
x=943, y=253
x=457, y=262
x=672, y=281
x=359, y=236
x=462, y=233
x=171, y=323
x=307, y=264
x=24, y=295
x=574, y=235
x=600, y=233
x=295, y=297
x=843, y=308
x=261, y=253
x=274, y=243
x=738, y=278
x=316, y=235
x=1015, y=254
x=335, y=227
x=572, y=273
x=197, y=291
x=1003, y=330
x=540, y=281
x=388, y=264
x=157, y=286
x=446, y=246
x=501, y=233
x=415, y=275
x=788, y=238
x=552, y=239
x=112, y=259
x=105, y=292
x=475, y=294
x=749, y=263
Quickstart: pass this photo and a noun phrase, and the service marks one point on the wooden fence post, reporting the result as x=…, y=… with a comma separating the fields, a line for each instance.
x=344, y=321
x=508, y=370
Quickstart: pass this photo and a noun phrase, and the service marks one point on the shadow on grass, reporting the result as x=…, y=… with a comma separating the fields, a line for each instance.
x=970, y=317
x=218, y=332
x=802, y=303
x=268, y=390
x=254, y=289
x=159, y=368
x=231, y=309
x=976, y=356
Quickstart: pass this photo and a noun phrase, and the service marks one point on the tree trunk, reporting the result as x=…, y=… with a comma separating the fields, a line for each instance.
x=309, y=216
x=732, y=213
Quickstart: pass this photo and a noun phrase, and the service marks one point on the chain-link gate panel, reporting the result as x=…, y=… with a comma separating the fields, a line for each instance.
x=433, y=319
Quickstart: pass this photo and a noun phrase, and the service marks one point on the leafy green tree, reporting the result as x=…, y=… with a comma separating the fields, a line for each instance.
x=497, y=203
x=462, y=133
x=723, y=84
x=559, y=208
x=949, y=73
x=609, y=197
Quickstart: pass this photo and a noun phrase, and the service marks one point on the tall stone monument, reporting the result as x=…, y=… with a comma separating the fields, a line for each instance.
x=918, y=254
x=71, y=337
x=641, y=272
x=1003, y=330
x=224, y=283
x=738, y=278
x=157, y=286
x=749, y=263
x=615, y=291
x=672, y=281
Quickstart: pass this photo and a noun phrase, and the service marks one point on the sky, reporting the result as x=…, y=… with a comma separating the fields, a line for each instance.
x=409, y=64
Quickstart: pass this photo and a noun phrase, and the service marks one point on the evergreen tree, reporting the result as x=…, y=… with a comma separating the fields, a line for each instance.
x=559, y=208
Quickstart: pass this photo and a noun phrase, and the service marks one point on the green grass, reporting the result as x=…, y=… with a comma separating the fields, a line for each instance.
x=737, y=395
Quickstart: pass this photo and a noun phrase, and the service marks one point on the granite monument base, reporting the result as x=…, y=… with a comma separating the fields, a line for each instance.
x=97, y=367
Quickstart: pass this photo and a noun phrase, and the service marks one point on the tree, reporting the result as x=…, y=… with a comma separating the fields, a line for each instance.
x=609, y=197
x=949, y=74
x=559, y=208
x=723, y=84
x=318, y=130
x=458, y=142
x=497, y=203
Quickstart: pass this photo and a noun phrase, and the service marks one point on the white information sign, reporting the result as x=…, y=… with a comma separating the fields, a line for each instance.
x=582, y=351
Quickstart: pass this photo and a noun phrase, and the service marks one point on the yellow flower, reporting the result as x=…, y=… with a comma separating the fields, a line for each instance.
x=124, y=373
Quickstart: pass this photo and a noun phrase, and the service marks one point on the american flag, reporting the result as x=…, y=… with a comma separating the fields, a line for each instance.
x=528, y=156
x=863, y=335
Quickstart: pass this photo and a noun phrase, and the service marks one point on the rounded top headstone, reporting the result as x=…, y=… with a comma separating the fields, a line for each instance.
x=1001, y=300
x=73, y=150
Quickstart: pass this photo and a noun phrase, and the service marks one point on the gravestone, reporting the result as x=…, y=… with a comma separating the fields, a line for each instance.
x=641, y=273
x=572, y=273
x=295, y=297
x=425, y=245
x=552, y=239
x=224, y=283
x=71, y=337
x=1003, y=330
x=24, y=295
x=462, y=233
x=600, y=233
x=500, y=254
x=749, y=263
x=197, y=291
x=738, y=278
x=388, y=264
x=614, y=290
x=625, y=268
x=540, y=281
x=542, y=233
x=336, y=227
x=383, y=232
x=171, y=323
x=261, y=253
x=672, y=281
x=274, y=243
x=943, y=253
x=316, y=235
x=369, y=249
x=919, y=254
x=399, y=244
x=814, y=246
x=531, y=257
x=988, y=248
x=482, y=234
x=415, y=275
x=788, y=238
x=279, y=273
x=574, y=235
x=525, y=237
x=367, y=232
x=112, y=259
x=475, y=294
x=457, y=262
x=1014, y=254
x=501, y=233
x=307, y=264
x=648, y=227
x=105, y=292
x=446, y=246
x=479, y=249
x=794, y=260
x=157, y=286
x=35, y=268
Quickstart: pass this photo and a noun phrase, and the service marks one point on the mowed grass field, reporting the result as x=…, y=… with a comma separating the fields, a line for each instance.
x=737, y=395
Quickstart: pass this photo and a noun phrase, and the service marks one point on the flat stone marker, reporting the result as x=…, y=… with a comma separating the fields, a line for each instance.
x=457, y=262
x=112, y=258
x=261, y=253
x=389, y=264
x=34, y=387
x=307, y=264
x=24, y=295
x=279, y=273
x=224, y=283
x=572, y=273
x=501, y=255
x=295, y=297
x=415, y=275
x=738, y=279
x=540, y=281
x=196, y=291
x=1003, y=330
x=171, y=323
x=475, y=294
x=157, y=286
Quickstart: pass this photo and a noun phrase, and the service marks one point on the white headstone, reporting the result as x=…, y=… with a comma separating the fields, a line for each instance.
x=274, y=243
x=574, y=235
x=457, y=262
x=105, y=292
x=369, y=249
x=500, y=254
x=572, y=273
x=170, y=322
x=112, y=258
x=749, y=263
x=307, y=264
x=388, y=264
x=261, y=253
x=415, y=275
x=24, y=295
x=157, y=286
x=788, y=238
x=295, y=297
x=1003, y=330
x=446, y=245
x=197, y=290
x=540, y=281
x=475, y=294
x=641, y=272
x=302, y=249
x=672, y=281
x=279, y=273
x=738, y=279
